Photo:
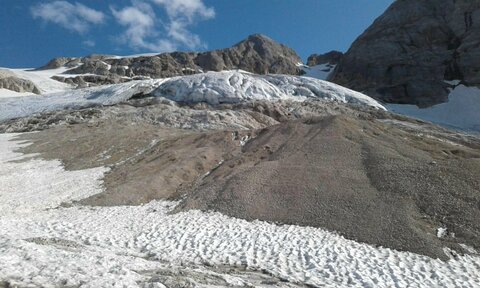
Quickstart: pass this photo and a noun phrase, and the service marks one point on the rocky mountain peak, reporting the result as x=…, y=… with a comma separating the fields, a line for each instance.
x=258, y=54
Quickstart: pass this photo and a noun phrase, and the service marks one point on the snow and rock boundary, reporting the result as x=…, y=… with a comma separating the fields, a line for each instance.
x=125, y=245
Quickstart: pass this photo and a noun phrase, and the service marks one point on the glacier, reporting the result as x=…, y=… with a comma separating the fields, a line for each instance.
x=211, y=87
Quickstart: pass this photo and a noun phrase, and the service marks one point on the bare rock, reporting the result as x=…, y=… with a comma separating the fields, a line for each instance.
x=409, y=52
x=257, y=54
x=332, y=57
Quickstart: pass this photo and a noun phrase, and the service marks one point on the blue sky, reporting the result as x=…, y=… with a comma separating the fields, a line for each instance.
x=32, y=31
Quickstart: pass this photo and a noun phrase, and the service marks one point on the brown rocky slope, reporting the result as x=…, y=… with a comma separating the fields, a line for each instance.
x=367, y=174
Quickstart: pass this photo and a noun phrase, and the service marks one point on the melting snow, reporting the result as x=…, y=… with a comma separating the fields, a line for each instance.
x=111, y=246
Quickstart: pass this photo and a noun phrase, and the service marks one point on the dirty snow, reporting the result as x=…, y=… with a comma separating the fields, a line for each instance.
x=461, y=111
x=116, y=246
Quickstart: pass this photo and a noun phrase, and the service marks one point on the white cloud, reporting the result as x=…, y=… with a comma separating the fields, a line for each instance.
x=89, y=43
x=144, y=30
x=186, y=9
x=75, y=17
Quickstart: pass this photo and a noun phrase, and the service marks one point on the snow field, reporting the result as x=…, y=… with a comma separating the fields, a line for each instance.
x=112, y=246
x=42, y=78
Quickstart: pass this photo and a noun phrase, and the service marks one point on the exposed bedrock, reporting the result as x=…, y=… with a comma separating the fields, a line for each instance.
x=406, y=55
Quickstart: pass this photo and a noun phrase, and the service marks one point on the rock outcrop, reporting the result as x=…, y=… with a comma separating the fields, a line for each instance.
x=10, y=81
x=332, y=57
x=409, y=52
x=257, y=54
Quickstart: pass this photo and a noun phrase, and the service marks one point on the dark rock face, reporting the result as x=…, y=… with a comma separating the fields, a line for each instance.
x=332, y=57
x=409, y=52
x=257, y=54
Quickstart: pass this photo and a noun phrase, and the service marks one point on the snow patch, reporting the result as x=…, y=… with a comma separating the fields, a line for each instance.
x=461, y=110
x=442, y=232
x=322, y=71
x=29, y=185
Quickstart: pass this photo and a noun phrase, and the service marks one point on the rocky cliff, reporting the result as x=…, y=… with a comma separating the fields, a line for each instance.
x=410, y=51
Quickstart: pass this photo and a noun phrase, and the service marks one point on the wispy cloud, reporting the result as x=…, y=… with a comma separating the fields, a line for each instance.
x=140, y=22
x=75, y=17
x=89, y=43
x=145, y=30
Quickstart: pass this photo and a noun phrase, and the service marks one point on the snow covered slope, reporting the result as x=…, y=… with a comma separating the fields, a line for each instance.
x=461, y=111
x=211, y=87
x=42, y=79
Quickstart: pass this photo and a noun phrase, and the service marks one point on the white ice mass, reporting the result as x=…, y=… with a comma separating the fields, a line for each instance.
x=211, y=87
x=116, y=246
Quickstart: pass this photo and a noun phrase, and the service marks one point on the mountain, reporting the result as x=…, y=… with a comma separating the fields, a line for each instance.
x=257, y=54
x=412, y=52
